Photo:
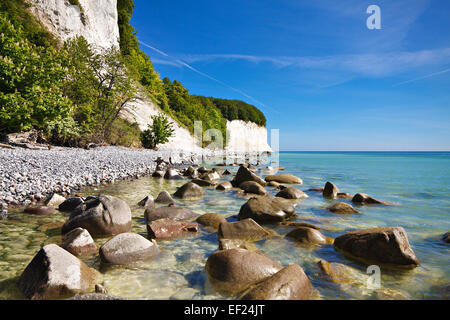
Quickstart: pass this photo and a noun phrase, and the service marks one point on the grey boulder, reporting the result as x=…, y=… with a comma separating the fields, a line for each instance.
x=127, y=248
x=267, y=209
x=55, y=273
x=105, y=215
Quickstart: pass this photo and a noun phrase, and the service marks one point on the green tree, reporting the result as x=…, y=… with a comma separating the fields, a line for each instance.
x=158, y=133
x=99, y=86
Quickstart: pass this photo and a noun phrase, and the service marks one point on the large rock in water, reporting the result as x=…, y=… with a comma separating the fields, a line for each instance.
x=363, y=198
x=290, y=283
x=55, y=200
x=55, y=273
x=127, y=248
x=267, y=209
x=243, y=175
x=284, y=178
x=307, y=235
x=172, y=174
x=212, y=220
x=330, y=190
x=246, y=229
x=252, y=187
x=190, y=191
x=164, y=197
x=291, y=193
x=171, y=212
x=231, y=271
x=79, y=242
x=105, y=215
x=388, y=246
x=341, y=208
x=70, y=204
x=170, y=229
x=225, y=185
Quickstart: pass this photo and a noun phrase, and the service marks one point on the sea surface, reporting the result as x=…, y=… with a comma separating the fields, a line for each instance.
x=418, y=184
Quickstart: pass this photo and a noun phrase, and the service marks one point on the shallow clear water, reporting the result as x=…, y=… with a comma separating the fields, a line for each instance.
x=418, y=184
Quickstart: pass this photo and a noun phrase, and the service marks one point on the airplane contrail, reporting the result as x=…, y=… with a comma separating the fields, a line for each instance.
x=181, y=62
x=423, y=77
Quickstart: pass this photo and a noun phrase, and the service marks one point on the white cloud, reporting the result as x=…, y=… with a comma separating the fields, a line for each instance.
x=372, y=65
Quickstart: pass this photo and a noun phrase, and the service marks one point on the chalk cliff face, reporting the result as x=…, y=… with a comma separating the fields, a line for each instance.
x=246, y=137
x=141, y=111
x=97, y=22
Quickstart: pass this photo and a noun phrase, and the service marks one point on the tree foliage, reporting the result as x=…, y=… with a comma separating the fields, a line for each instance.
x=31, y=81
x=158, y=133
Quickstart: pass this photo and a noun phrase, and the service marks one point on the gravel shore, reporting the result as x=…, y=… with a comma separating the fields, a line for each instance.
x=32, y=175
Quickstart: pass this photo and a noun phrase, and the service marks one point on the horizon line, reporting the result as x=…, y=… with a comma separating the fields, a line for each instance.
x=364, y=151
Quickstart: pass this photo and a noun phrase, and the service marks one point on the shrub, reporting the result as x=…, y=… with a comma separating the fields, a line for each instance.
x=158, y=133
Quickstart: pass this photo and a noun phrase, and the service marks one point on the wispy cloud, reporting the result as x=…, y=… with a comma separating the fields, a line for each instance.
x=373, y=65
x=423, y=77
x=179, y=62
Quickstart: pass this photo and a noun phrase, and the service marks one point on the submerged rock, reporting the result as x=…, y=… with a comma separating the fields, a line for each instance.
x=225, y=185
x=307, y=235
x=55, y=273
x=330, y=190
x=212, y=220
x=252, y=187
x=164, y=197
x=244, y=175
x=284, y=178
x=388, y=246
x=190, y=191
x=337, y=272
x=342, y=208
x=105, y=215
x=3, y=214
x=291, y=193
x=170, y=229
x=79, y=242
x=315, y=189
x=246, y=229
x=290, y=283
x=267, y=209
x=39, y=211
x=171, y=212
x=363, y=198
x=203, y=183
x=227, y=244
x=95, y=296
x=232, y=271
x=127, y=248
x=344, y=195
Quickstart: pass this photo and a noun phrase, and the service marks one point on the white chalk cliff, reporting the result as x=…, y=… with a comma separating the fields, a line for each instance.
x=97, y=22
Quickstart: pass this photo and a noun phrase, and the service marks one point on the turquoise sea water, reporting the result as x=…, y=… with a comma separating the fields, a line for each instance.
x=417, y=183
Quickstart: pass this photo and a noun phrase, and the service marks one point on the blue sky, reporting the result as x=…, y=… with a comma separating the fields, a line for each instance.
x=317, y=72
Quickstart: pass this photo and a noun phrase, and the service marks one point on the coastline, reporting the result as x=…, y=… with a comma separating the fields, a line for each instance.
x=31, y=176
